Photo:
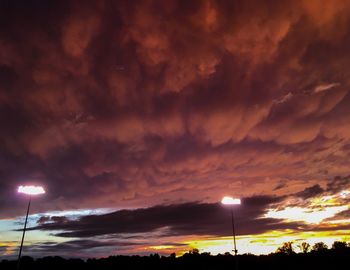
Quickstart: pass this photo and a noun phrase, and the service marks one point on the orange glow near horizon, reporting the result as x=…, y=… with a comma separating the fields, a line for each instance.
x=264, y=243
x=10, y=248
x=320, y=212
x=254, y=244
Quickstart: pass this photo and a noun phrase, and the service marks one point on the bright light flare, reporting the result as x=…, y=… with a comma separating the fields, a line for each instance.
x=230, y=201
x=31, y=190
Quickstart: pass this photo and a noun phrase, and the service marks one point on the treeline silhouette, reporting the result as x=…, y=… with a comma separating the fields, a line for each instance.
x=319, y=257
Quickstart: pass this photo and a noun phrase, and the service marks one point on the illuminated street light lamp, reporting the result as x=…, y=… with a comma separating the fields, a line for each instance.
x=231, y=201
x=31, y=191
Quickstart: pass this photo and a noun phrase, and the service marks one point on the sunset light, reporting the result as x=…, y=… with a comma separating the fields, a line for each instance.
x=308, y=215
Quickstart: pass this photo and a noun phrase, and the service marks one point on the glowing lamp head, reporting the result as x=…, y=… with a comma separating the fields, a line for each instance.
x=31, y=190
x=230, y=201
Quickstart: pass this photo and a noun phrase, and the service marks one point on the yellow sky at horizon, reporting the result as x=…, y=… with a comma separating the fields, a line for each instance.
x=320, y=212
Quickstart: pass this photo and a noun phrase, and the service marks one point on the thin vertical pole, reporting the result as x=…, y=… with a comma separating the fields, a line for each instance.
x=233, y=232
x=24, y=232
x=234, y=239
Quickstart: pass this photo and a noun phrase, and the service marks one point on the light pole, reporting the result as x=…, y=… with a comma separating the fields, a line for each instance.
x=31, y=191
x=231, y=201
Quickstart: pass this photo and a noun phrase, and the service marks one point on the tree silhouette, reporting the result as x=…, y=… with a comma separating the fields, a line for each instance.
x=286, y=248
x=339, y=245
x=194, y=251
x=304, y=247
x=319, y=246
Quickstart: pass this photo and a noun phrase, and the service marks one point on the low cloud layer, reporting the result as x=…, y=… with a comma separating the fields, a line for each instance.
x=195, y=218
x=181, y=219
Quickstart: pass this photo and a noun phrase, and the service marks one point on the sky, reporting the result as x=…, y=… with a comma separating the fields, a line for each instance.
x=137, y=117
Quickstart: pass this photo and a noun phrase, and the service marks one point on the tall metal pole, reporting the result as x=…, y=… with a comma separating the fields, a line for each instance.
x=233, y=232
x=234, y=239
x=24, y=232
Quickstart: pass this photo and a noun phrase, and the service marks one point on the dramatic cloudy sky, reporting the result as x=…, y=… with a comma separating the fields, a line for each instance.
x=138, y=116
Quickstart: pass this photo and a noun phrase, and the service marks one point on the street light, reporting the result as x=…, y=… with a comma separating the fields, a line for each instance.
x=31, y=191
x=231, y=201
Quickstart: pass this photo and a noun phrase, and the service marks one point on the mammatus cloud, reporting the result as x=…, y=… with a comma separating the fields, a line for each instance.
x=118, y=104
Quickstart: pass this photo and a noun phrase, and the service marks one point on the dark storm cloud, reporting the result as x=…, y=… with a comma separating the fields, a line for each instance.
x=320, y=228
x=310, y=192
x=74, y=248
x=76, y=245
x=279, y=186
x=338, y=184
x=58, y=219
x=342, y=215
x=180, y=219
x=124, y=103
